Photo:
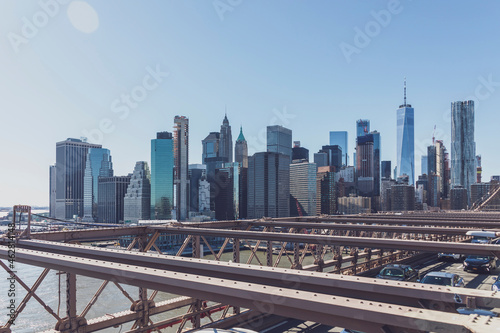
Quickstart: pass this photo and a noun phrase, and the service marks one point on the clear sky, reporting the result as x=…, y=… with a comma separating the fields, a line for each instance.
x=118, y=71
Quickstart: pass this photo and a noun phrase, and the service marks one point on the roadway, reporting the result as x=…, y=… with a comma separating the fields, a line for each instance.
x=472, y=280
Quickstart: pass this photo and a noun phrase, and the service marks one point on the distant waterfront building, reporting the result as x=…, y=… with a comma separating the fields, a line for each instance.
x=385, y=197
x=321, y=159
x=226, y=140
x=227, y=199
x=110, y=206
x=197, y=173
x=458, y=198
x=162, y=176
x=98, y=164
x=279, y=140
x=52, y=190
x=299, y=153
x=334, y=153
x=478, y=192
x=423, y=165
x=479, y=169
x=241, y=150
x=354, y=205
x=71, y=157
x=181, y=160
x=362, y=127
x=377, y=154
x=268, y=185
x=405, y=140
x=339, y=138
x=402, y=197
x=326, y=192
x=463, y=147
x=386, y=169
x=137, y=201
x=365, y=169
x=303, y=189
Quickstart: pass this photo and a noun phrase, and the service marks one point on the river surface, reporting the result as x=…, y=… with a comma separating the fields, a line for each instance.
x=52, y=291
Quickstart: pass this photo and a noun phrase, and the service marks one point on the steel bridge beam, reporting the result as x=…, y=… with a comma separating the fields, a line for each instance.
x=396, y=244
x=330, y=310
x=402, y=293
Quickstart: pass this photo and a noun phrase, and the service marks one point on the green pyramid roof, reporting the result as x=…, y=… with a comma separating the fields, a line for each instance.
x=241, y=137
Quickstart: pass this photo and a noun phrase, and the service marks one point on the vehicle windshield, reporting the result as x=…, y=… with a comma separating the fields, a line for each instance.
x=391, y=272
x=439, y=280
x=476, y=257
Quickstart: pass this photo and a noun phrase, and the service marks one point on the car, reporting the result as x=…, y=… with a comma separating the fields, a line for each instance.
x=478, y=263
x=496, y=285
x=450, y=256
x=443, y=279
x=481, y=312
x=398, y=272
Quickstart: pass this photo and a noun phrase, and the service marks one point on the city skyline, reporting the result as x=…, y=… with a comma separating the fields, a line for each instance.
x=69, y=83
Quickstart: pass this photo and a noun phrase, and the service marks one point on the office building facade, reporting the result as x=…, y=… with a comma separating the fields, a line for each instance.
x=137, y=201
x=303, y=188
x=241, y=150
x=405, y=141
x=162, y=176
x=268, y=185
x=339, y=138
x=98, y=164
x=71, y=157
x=181, y=161
x=463, y=147
x=52, y=190
x=326, y=191
x=110, y=206
x=279, y=140
x=226, y=140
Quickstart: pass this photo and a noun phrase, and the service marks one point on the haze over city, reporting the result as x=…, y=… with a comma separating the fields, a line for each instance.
x=311, y=67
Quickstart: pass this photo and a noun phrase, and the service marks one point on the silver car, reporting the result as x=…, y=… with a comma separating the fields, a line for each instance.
x=443, y=279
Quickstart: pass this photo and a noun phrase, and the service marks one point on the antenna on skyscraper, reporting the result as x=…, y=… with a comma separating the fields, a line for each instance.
x=405, y=92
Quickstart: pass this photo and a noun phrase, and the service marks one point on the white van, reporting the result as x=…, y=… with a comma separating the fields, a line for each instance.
x=482, y=236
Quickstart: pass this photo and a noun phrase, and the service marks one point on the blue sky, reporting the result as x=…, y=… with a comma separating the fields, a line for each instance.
x=279, y=62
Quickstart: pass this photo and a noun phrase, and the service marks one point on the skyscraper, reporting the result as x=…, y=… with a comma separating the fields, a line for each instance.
x=303, y=188
x=279, y=140
x=423, y=165
x=299, y=153
x=241, y=150
x=181, y=159
x=226, y=141
x=52, y=191
x=386, y=169
x=71, y=157
x=197, y=172
x=162, y=176
x=326, y=194
x=362, y=127
x=227, y=199
x=377, y=153
x=339, y=138
x=405, y=141
x=365, y=167
x=110, y=204
x=268, y=185
x=463, y=147
x=98, y=164
x=137, y=201
x=334, y=153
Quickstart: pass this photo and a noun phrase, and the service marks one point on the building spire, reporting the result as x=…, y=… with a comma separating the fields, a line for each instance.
x=405, y=93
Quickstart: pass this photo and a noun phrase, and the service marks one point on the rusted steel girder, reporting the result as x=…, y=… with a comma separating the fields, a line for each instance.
x=376, y=243
x=403, y=293
x=330, y=310
x=363, y=227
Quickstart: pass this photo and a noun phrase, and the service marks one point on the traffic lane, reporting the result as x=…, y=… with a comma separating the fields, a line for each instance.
x=481, y=280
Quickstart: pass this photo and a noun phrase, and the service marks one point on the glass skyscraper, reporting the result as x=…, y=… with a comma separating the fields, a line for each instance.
x=339, y=138
x=71, y=157
x=98, y=164
x=362, y=127
x=463, y=147
x=181, y=160
x=279, y=140
x=162, y=176
x=406, y=141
